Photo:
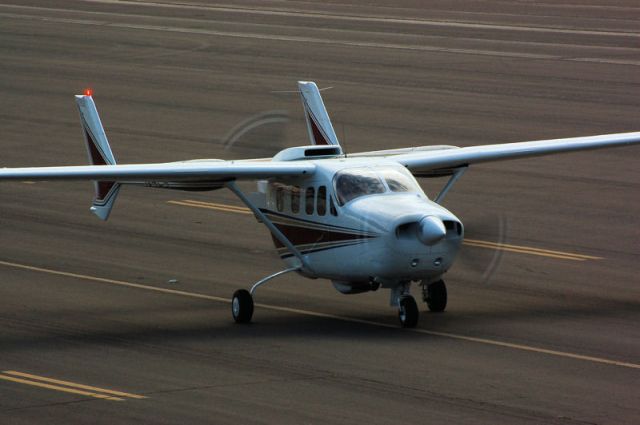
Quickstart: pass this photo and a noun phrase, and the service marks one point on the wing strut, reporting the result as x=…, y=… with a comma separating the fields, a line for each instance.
x=454, y=178
x=276, y=232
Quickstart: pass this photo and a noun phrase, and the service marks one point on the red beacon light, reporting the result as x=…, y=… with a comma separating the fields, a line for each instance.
x=88, y=92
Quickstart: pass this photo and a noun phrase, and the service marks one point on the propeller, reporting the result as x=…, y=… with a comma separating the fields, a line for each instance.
x=260, y=135
x=475, y=259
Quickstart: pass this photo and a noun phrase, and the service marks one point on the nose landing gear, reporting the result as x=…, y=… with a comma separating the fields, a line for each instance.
x=408, y=311
x=401, y=298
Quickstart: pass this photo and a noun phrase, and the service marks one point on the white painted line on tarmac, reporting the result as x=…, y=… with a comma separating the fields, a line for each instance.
x=287, y=12
x=105, y=23
x=485, y=341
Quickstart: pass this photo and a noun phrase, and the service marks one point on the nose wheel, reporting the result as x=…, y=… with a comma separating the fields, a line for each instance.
x=408, y=311
x=242, y=306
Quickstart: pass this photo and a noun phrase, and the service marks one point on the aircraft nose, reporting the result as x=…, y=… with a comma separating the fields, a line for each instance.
x=431, y=230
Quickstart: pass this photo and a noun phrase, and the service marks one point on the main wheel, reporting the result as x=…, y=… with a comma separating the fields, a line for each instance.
x=242, y=306
x=408, y=312
x=437, y=296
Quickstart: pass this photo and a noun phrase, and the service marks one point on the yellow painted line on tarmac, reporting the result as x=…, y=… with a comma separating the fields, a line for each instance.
x=72, y=384
x=59, y=388
x=530, y=250
x=459, y=337
x=212, y=206
x=469, y=242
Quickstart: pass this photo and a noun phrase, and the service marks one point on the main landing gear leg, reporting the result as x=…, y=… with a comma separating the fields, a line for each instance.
x=408, y=313
x=242, y=301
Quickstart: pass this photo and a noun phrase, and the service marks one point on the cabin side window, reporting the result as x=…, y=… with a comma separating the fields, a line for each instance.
x=310, y=195
x=279, y=198
x=321, y=202
x=332, y=207
x=295, y=199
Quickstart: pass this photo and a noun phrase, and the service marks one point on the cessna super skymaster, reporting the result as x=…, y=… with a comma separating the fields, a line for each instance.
x=361, y=221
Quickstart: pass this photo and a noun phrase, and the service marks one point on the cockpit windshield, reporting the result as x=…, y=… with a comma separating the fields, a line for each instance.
x=355, y=182
x=398, y=181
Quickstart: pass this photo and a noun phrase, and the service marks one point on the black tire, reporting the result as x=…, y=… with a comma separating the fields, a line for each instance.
x=437, y=296
x=242, y=306
x=408, y=312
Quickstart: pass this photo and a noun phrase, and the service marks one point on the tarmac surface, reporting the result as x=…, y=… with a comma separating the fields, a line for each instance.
x=129, y=321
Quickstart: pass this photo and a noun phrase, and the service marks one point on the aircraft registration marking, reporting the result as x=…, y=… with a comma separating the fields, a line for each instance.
x=469, y=242
x=66, y=386
x=459, y=337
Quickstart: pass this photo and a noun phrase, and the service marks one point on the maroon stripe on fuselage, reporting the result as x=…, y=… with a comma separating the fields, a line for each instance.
x=312, y=250
x=299, y=235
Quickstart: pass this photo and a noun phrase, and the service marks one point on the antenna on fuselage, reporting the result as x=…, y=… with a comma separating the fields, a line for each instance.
x=343, y=141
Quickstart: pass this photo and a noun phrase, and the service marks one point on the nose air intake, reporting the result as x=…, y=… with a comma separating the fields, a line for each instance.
x=431, y=230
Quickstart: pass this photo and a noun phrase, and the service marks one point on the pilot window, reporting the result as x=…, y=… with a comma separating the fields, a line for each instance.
x=321, y=202
x=309, y=200
x=295, y=199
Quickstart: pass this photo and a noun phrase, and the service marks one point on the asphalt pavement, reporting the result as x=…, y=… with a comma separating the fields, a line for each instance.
x=129, y=321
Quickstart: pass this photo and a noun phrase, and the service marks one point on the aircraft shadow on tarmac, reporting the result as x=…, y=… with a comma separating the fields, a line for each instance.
x=115, y=326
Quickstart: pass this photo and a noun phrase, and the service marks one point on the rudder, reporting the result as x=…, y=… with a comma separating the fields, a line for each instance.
x=318, y=123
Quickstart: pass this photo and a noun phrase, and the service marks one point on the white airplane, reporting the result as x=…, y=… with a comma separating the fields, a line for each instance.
x=361, y=221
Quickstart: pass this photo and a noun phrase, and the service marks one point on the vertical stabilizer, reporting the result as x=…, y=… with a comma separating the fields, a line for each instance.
x=318, y=123
x=99, y=153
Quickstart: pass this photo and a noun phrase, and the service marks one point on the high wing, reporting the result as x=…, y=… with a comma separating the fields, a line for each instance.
x=190, y=175
x=441, y=160
x=206, y=171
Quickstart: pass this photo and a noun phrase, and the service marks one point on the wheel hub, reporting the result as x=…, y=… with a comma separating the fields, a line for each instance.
x=235, y=307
